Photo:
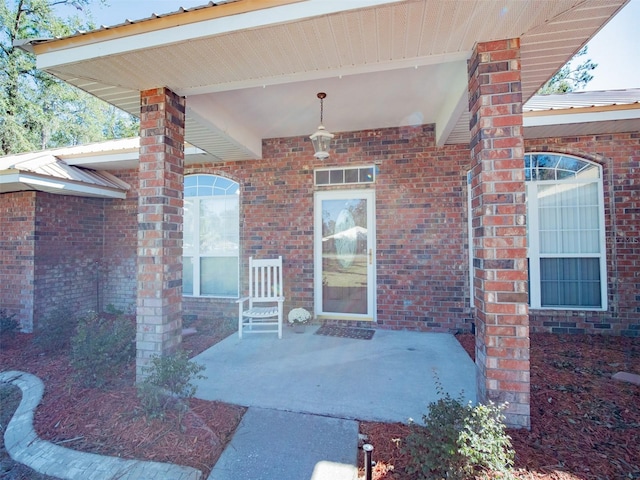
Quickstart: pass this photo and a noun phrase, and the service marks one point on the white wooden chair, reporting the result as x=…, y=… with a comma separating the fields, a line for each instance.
x=266, y=300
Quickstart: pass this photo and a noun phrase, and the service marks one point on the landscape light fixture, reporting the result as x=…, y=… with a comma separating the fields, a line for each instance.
x=321, y=139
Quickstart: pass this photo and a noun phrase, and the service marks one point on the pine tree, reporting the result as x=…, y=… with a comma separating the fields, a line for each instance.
x=38, y=111
x=573, y=76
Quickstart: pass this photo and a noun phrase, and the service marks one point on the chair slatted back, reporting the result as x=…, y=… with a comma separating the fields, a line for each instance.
x=265, y=279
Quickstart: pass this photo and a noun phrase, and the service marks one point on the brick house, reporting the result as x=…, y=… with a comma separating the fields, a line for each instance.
x=444, y=204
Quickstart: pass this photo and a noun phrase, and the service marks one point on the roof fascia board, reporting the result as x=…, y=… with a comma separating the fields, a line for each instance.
x=578, y=109
x=148, y=34
x=40, y=182
x=87, y=160
x=9, y=179
x=9, y=173
x=63, y=153
x=164, y=22
x=573, y=116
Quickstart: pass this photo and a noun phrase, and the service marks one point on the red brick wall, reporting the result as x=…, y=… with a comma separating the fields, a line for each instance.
x=420, y=195
x=17, y=244
x=619, y=154
x=68, y=247
x=118, y=262
x=51, y=251
x=218, y=312
x=422, y=279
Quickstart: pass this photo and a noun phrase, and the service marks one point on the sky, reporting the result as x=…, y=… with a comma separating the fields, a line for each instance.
x=616, y=48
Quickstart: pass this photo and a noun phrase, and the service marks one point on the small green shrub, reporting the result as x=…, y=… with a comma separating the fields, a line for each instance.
x=111, y=309
x=9, y=326
x=101, y=348
x=459, y=441
x=168, y=380
x=53, y=332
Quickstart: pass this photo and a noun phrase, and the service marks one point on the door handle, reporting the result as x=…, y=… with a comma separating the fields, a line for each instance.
x=371, y=256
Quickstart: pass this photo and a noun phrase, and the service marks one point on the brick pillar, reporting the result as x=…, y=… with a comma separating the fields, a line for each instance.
x=160, y=204
x=499, y=228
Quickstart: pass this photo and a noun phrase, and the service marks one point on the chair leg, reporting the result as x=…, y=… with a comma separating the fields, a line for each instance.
x=240, y=321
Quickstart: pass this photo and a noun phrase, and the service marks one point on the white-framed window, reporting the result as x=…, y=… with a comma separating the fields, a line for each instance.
x=345, y=175
x=211, y=236
x=565, y=232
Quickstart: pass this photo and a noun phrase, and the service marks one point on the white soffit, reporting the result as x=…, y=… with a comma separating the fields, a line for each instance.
x=272, y=63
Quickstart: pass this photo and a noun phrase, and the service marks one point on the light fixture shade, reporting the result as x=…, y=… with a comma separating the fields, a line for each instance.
x=321, y=141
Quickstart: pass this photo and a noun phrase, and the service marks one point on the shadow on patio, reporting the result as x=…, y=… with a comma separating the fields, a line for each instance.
x=390, y=378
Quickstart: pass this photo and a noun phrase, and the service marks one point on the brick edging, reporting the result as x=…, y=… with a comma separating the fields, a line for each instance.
x=24, y=446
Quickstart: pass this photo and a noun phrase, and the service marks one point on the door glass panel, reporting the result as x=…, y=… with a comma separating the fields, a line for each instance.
x=344, y=256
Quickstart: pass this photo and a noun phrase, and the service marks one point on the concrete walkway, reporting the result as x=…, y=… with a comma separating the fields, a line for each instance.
x=276, y=445
x=390, y=378
x=304, y=393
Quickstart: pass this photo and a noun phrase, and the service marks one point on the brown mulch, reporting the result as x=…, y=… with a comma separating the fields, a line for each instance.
x=584, y=424
x=110, y=421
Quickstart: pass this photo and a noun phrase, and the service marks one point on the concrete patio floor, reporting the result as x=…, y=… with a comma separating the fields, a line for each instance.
x=390, y=378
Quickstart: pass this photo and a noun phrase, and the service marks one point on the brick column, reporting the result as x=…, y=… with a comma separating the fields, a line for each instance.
x=499, y=228
x=160, y=204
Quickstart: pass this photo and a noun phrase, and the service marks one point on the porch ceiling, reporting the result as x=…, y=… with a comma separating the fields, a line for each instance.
x=250, y=72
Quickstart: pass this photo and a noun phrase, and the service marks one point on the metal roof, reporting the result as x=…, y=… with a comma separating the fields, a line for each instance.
x=44, y=171
x=573, y=100
x=582, y=113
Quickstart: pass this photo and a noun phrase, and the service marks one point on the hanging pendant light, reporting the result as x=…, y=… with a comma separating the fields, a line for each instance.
x=321, y=139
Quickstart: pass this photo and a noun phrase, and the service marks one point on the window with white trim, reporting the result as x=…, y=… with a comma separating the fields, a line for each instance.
x=211, y=236
x=345, y=175
x=565, y=232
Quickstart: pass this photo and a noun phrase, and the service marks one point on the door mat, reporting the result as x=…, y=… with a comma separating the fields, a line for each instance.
x=346, y=332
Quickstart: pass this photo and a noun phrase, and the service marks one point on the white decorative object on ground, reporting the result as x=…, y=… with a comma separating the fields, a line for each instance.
x=299, y=315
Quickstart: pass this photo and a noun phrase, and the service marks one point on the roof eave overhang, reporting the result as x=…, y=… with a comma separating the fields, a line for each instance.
x=219, y=133
x=600, y=120
x=188, y=25
x=13, y=180
x=582, y=114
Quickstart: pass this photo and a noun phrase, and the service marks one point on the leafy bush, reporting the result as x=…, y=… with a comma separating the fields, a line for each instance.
x=54, y=331
x=112, y=310
x=9, y=326
x=101, y=348
x=459, y=440
x=168, y=380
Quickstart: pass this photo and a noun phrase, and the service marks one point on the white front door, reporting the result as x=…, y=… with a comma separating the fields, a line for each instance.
x=344, y=244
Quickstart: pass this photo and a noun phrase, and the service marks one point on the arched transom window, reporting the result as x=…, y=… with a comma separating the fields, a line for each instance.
x=211, y=236
x=566, y=240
